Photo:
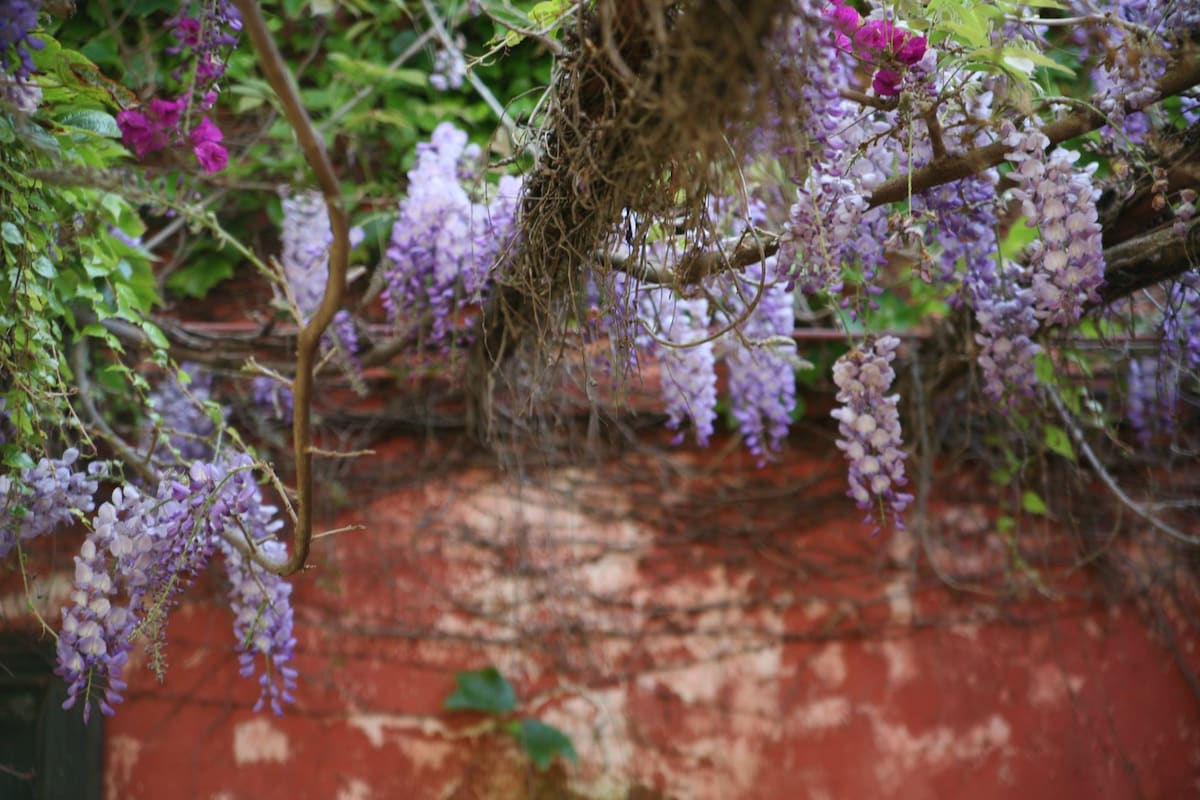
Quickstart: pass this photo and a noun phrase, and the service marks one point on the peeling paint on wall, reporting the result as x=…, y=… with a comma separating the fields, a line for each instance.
x=258, y=741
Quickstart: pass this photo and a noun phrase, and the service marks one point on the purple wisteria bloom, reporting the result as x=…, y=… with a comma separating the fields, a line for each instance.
x=869, y=427
x=306, y=238
x=144, y=550
x=1067, y=259
x=261, y=600
x=45, y=496
x=762, y=382
x=18, y=18
x=1004, y=310
x=688, y=369
x=1152, y=398
x=443, y=243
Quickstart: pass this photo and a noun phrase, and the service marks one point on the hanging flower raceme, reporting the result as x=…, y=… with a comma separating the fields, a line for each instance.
x=44, y=497
x=1004, y=311
x=1067, y=259
x=443, y=243
x=142, y=553
x=687, y=363
x=18, y=19
x=869, y=426
x=762, y=382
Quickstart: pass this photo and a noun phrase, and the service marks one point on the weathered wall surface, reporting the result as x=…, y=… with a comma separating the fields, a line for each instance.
x=701, y=629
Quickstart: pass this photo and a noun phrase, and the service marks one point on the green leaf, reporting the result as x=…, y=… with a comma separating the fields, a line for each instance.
x=485, y=690
x=1032, y=502
x=155, y=335
x=196, y=279
x=543, y=743
x=1058, y=442
x=44, y=267
x=370, y=71
x=18, y=460
x=92, y=121
x=11, y=233
x=1043, y=369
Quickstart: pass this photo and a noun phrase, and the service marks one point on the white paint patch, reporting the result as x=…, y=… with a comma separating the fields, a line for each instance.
x=903, y=753
x=815, y=609
x=900, y=601
x=124, y=752
x=354, y=789
x=967, y=630
x=1049, y=685
x=258, y=741
x=831, y=712
x=48, y=594
x=901, y=661
x=829, y=665
x=427, y=754
x=376, y=726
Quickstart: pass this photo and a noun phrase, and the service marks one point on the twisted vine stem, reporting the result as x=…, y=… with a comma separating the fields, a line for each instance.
x=308, y=342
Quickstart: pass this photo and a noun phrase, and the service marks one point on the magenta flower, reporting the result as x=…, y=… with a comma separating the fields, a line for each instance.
x=844, y=18
x=878, y=42
x=147, y=131
x=206, y=144
x=886, y=82
x=874, y=36
x=911, y=51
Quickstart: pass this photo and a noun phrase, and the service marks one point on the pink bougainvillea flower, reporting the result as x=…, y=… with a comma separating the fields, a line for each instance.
x=874, y=36
x=886, y=83
x=911, y=51
x=845, y=19
x=206, y=144
x=151, y=129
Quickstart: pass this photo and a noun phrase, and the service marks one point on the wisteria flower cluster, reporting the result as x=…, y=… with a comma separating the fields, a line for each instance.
x=449, y=69
x=762, y=382
x=147, y=544
x=869, y=426
x=830, y=226
x=143, y=551
x=18, y=20
x=1152, y=397
x=1181, y=322
x=878, y=42
x=1004, y=310
x=444, y=244
x=45, y=497
x=686, y=357
x=1067, y=259
x=185, y=427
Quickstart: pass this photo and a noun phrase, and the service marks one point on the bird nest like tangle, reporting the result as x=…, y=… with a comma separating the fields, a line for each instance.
x=649, y=115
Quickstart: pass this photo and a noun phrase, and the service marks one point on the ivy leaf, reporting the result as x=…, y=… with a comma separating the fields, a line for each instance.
x=1032, y=502
x=1058, y=441
x=11, y=233
x=18, y=460
x=543, y=743
x=196, y=279
x=98, y=122
x=484, y=690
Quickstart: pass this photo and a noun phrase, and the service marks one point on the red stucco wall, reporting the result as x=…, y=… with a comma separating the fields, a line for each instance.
x=701, y=629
